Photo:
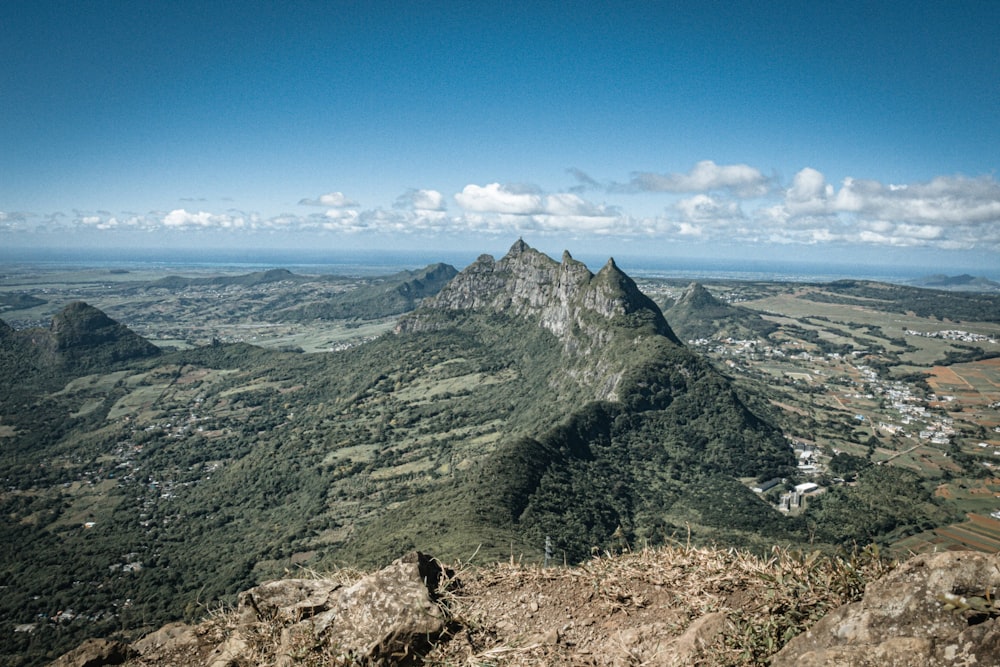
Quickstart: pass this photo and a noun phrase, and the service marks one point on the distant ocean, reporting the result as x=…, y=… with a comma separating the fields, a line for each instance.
x=376, y=262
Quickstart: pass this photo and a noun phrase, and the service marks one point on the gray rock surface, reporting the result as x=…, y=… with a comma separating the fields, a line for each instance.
x=380, y=619
x=935, y=609
x=564, y=298
x=95, y=653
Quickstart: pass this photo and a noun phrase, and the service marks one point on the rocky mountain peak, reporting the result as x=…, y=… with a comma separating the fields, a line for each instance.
x=563, y=296
x=519, y=247
x=696, y=296
x=589, y=314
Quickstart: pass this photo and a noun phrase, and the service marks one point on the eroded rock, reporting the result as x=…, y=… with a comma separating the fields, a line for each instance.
x=380, y=619
x=95, y=653
x=935, y=609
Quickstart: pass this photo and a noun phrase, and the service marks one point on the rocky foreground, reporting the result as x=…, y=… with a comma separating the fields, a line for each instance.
x=669, y=606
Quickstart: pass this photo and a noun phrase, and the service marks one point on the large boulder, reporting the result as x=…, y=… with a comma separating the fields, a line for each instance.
x=935, y=609
x=384, y=618
x=95, y=653
x=381, y=619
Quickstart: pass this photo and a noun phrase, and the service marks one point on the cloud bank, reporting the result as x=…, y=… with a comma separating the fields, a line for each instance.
x=709, y=203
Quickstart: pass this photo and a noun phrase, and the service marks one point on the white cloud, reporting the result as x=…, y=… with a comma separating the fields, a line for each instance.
x=810, y=194
x=14, y=221
x=183, y=219
x=569, y=204
x=954, y=199
x=689, y=230
x=495, y=198
x=421, y=200
x=706, y=176
x=331, y=199
x=496, y=208
x=703, y=208
x=341, y=214
x=946, y=212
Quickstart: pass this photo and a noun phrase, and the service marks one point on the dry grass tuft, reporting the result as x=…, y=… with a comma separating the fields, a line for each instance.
x=627, y=609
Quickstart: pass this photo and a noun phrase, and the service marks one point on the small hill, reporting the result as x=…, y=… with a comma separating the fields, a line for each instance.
x=19, y=302
x=961, y=282
x=80, y=338
x=698, y=314
x=84, y=337
x=396, y=294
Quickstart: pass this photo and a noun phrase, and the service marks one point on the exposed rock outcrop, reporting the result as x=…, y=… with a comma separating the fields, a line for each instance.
x=528, y=283
x=647, y=607
x=381, y=619
x=95, y=653
x=936, y=609
x=586, y=312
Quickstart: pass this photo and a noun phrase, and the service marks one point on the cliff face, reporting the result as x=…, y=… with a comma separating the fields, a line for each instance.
x=527, y=283
x=586, y=312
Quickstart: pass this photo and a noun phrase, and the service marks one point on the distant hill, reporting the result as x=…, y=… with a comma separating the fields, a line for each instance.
x=79, y=338
x=962, y=282
x=247, y=280
x=390, y=296
x=698, y=314
x=18, y=301
x=923, y=301
x=373, y=298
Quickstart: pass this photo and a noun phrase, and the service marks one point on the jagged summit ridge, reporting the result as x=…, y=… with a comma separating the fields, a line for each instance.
x=597, y=319
x=563, y=296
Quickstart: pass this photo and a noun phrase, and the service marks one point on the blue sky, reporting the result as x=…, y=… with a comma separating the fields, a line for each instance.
x=850, y=131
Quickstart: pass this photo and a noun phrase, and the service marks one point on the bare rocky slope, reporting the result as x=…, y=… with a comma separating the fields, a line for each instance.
x=564, y=298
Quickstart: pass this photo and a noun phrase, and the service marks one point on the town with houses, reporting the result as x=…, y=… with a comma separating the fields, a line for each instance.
x=899, y=417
